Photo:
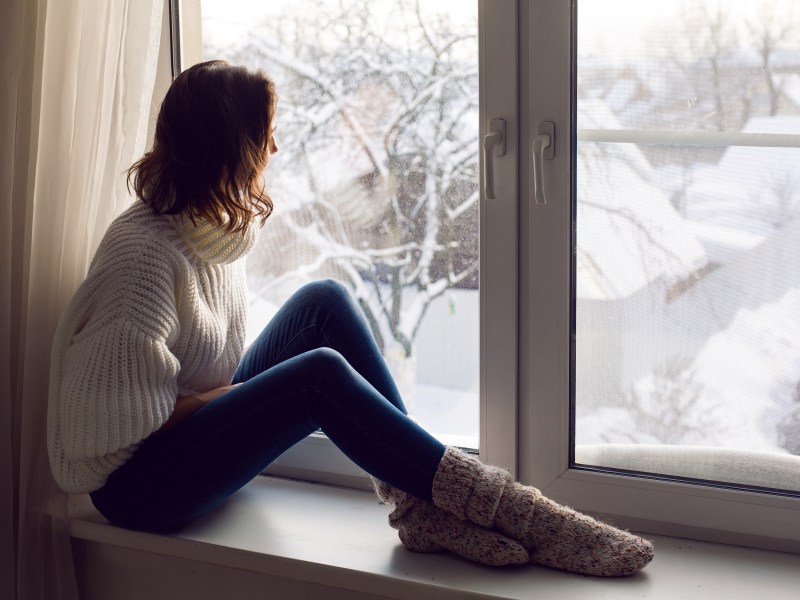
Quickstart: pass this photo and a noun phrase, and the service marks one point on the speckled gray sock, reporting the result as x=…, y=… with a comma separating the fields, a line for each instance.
x=424, y=527
x=555, y=536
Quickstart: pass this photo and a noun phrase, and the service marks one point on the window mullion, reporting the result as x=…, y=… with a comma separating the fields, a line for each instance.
x=499, y=249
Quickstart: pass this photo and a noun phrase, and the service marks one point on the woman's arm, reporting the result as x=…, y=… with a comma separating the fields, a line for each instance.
x=185, y=406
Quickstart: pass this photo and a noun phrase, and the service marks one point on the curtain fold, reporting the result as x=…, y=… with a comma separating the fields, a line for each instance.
x=74, y=107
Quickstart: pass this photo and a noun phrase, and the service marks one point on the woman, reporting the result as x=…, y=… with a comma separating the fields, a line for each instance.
x=157, y=414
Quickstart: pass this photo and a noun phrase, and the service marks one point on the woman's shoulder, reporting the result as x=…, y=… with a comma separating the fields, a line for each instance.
x=136, y=264
x=140, y=225
x=138, y=238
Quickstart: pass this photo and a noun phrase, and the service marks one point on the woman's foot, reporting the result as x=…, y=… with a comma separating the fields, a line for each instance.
x=559, y=537
x=554, y=535
x=425, y=528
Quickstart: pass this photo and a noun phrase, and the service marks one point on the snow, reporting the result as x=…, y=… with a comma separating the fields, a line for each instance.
x=448, y=414
x=790, y=87
x=749, y=371
x=739, y=385
x=723, y=244
x=750, y=192
x=744, y=376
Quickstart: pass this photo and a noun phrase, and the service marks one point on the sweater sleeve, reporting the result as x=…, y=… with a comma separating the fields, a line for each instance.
x=119, y=384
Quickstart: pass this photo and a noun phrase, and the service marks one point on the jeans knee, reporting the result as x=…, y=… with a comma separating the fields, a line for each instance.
x=325, y=363
x=328, y=291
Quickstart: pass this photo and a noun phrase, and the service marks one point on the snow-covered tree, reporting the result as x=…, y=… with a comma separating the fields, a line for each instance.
x=718, y=84
x=376, y=182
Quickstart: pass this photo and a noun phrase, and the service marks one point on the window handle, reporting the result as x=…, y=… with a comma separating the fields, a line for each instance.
x=543, y=149
x=494, y=144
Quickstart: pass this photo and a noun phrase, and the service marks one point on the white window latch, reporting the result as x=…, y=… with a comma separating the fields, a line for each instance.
x=543, y=149
x=494, y=144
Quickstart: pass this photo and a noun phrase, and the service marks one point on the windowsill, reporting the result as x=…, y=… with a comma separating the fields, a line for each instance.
x=339, y=538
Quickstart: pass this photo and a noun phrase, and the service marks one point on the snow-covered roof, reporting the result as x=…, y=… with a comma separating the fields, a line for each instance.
x=751, y=190
x=629, y=234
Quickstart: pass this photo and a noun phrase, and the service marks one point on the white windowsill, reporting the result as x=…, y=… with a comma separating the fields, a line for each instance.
x=339, y=538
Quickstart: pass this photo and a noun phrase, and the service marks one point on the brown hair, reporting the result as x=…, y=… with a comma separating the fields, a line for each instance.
x=211, y=145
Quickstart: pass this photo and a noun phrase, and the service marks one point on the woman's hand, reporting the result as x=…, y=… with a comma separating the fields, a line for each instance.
x=211, y=395
x=185, y=406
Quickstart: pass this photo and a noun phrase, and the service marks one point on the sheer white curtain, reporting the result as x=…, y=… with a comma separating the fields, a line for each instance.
x=75, y=90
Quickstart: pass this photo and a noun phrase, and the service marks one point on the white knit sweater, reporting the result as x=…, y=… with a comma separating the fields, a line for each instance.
x=161, y=314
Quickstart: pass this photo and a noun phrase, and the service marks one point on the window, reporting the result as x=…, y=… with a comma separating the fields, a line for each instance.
x=686, y=283
x=662, y=231
x=659, y=309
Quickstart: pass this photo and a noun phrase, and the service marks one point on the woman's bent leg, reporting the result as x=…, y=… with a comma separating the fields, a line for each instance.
x=321, y=315
x=178, y=476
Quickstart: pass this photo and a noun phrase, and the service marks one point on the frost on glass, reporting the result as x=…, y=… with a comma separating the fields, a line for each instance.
x=376, y=180
x=688, y=255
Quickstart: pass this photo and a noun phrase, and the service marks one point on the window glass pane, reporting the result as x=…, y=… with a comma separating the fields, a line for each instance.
x=687, y=249
x=376, y=180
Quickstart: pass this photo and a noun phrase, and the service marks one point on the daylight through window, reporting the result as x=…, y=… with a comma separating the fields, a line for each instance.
x=688, y=240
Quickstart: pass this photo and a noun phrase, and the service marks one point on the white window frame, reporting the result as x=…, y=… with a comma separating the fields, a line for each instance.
x=316, y=458
x=734, y=516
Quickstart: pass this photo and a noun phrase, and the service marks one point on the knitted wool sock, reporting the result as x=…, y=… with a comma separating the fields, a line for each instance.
x=555, y=536
x=423, y=527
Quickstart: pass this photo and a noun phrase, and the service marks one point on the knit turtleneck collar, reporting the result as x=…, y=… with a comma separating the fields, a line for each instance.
x=213, y=243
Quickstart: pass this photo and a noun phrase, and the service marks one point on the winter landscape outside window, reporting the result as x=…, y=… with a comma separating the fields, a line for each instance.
x=376, y=181
x=687, y=244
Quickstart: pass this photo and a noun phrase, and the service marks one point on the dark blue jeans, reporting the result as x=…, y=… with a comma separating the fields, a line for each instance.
x=315, y=366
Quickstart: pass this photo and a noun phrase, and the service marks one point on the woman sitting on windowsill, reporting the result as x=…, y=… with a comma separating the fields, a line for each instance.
x=157, y=414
